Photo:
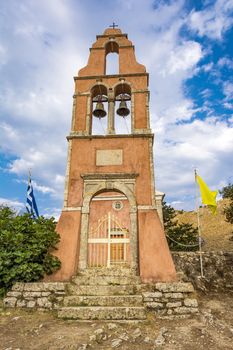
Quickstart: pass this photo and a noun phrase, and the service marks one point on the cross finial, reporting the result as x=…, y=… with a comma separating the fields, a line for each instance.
x=114, y=25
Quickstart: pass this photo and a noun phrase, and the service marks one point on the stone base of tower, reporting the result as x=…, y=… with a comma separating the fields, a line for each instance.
x=155, y=261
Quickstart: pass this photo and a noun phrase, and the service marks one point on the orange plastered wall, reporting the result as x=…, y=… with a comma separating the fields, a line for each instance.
x=140, y=111
x=136, y=159
x=81, y=112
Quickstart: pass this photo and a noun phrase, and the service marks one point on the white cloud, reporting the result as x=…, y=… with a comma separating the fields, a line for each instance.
x=203, y=144
x=184, y=57
x=15, y=204
x=208, y=67
x=55, y=212
x=213, y=21
x=206, y=93
x=225, y=62
x=37, y=187
x=228, y=105
x=3, y=55
x=48, y=43
x=228, y=90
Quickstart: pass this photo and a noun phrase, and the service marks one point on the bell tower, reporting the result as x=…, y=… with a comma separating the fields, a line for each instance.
x=110, y=217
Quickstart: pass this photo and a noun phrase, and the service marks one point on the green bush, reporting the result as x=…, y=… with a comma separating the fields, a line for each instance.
x=25, y=248
x=180, y=237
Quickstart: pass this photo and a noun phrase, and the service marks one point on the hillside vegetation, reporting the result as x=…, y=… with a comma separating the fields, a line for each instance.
x=216, y=232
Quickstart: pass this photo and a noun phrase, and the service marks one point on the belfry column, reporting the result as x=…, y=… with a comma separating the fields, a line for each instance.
x=111, y=107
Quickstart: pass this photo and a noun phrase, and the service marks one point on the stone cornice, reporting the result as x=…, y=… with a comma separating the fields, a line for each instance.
x=74, y=135
x=112, y=35
x=120, y=47
x=104, y=76
x=109, y=176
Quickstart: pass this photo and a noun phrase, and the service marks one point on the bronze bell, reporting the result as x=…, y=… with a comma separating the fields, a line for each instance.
x=99, y=111
x=123, y=110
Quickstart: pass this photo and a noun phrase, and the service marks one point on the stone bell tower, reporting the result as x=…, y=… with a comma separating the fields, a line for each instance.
x=110, y=215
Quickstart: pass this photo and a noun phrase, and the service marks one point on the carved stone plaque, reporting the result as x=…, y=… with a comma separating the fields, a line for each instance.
x=109, y=157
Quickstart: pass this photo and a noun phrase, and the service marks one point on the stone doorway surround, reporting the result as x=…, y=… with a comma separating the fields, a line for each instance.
x=96, y=183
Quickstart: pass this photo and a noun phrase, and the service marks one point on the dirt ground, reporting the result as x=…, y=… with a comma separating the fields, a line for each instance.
x=212, y=328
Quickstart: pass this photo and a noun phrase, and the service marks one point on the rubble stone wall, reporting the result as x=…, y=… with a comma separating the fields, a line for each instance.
x=171, y=299
x=40, y=295
x=217, y=268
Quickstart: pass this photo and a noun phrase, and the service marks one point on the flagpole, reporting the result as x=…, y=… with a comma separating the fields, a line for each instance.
x=198, y=223
x=29, y=175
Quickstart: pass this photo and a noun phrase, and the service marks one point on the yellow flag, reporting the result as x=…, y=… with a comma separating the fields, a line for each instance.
x=208, y=197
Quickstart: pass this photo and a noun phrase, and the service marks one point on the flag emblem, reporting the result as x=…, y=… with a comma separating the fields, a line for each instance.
x=31, y=202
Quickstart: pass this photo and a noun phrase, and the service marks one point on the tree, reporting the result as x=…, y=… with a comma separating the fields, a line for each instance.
x=181, y=237
x=25, y=248
x=227, y=192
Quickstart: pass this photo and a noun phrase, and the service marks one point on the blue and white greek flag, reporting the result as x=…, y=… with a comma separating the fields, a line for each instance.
x=31, y=202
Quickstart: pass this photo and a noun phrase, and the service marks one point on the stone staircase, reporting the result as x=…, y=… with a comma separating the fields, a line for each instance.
x=104, y=294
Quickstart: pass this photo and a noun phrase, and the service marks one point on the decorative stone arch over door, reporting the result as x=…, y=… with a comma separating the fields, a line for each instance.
x=96, y=183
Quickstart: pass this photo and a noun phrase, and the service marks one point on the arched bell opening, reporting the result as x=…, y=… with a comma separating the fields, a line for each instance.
x=99, y=108
x=123, y=109
x=109, y=230
x=111, y=58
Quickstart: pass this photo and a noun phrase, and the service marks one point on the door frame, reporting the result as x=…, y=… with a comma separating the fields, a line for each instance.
x=95, y=184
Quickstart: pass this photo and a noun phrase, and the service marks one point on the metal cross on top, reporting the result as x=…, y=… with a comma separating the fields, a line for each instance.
x=114, y=25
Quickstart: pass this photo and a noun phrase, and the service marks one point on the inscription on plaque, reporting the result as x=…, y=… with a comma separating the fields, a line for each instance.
x=109, y=157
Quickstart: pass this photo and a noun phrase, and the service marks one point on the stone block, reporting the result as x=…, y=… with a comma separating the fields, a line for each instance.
x=9, y=302
x=103, y=300
x=152, y=295
x=54, y=286
x=190, y=302
x=31, y=303
x=60, y=299
x=45, y=294
x=154, y=305
x=176, y=304
x=148, y=300
x=102, y=313
x=21, y=303
x=175, y=287
x=174, y=295
x=14, y=294
x=44, y=302
x=34, y=287
x=31, y=294
x=18, y=287
x=186, y=310
x=104, y=290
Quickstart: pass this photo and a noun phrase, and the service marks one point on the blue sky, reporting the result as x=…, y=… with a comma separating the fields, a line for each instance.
x=187, y=49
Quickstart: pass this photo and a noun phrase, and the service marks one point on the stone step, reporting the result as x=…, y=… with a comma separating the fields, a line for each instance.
x=106, y=280
x=108, y=271
x=74, y=289
x=103, y=300
x=102, y=313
